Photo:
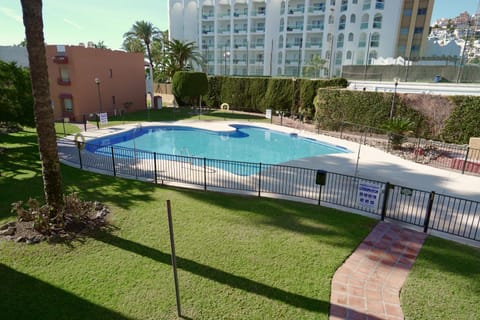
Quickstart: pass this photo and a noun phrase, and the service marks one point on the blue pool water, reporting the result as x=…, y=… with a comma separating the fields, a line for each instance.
x=244, y=143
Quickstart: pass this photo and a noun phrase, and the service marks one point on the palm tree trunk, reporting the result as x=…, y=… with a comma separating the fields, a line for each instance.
x=47, y=144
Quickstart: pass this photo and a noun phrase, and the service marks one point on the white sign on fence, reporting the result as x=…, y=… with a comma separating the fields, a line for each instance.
x=268, y=113
x=103, y=118
x=368, y=195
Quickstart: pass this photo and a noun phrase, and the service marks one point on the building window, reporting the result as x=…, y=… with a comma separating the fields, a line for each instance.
x=355, y=1
x=375, y=40
x=353, y=18
x=362, y=41
x=349, y=55
x=344, y=5
x=329, y=37
x=350, y=36
x=330, y=19
x=338, y=58
x=404, y=31
x=111, y=73
x=332, y=2
x=340, y=40
x=380, y=4
x=418, y=30
x=341, y=24
x=372, y=55
x=377, y=21
x=113, y=100
x=407, y=12
x=67, y=104
x=366, y=4
x=422, y=11
x=364, y=24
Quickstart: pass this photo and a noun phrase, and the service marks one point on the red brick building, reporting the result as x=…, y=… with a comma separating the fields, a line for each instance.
x=85, y=81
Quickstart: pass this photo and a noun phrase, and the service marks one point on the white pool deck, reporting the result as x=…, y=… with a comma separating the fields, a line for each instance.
x=372, y=164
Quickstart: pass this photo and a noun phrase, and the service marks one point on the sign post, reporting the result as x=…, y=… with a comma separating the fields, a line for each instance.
x=174, y=259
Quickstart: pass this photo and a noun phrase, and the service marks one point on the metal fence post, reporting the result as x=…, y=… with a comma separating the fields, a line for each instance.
x=80, y=157
x=113, y=163
x=205, y=174
x=385, y=200
x=155, y=166
x=64, y=131
x=465, y=161
x=259, y=179
x=429, y=211
x=84, y=123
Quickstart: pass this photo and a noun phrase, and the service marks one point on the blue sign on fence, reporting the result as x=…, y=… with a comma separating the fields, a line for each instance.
x=368, y=195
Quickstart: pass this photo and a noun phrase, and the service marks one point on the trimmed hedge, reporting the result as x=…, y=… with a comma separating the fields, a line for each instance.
x=261, y=93
x=187, y=85
x=464, y=121
x=364, y=108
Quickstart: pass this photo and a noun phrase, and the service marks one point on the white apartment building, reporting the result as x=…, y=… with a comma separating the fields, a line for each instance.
x=280, y=37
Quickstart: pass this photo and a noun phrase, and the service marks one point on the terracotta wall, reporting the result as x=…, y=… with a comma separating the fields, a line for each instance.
x=121, y=75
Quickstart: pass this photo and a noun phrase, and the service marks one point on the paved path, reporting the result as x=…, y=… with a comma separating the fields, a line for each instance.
x=368, y=284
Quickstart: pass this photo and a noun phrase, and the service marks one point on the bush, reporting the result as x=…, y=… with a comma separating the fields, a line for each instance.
x=464, y=121
x=187, y=85
x=365, y=108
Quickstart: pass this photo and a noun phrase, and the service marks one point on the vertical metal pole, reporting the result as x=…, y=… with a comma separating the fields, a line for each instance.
x=64, y=131
x=465, y=161
x=205, y=174
x=113, y=163
x=319, y=194
x=429, y=211
x=174, y=258
x=84, y=123
x=80, y=157
x=385, y=200
x=260, y=179
x=417, y=150
x=155, y=166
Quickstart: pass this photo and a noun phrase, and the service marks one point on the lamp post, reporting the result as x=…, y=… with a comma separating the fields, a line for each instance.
x=225, y=56
x=392, y=109
x=293, y=93
x=97, y=81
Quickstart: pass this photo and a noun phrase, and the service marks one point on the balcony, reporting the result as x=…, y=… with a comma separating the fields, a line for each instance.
x=60, y=59
x=63, y=82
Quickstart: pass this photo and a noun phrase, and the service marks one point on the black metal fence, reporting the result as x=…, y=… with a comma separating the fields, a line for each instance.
x=433, y=153
x=452, y=215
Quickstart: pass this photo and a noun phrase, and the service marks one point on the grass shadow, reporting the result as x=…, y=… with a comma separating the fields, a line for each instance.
x=25, y=297
x=220, y=276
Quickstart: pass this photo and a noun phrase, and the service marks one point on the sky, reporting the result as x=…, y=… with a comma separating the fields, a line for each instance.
x=74, y=21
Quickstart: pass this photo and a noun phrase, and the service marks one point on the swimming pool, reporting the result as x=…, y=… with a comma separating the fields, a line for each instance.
x=243, y=143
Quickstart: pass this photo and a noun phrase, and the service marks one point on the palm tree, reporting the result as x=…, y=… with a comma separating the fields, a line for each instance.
x=398, y=129
x=47, y=143
x=132, y=44
x=100, y=45
x=316, y=65
x=183, y=52
x=145, y=32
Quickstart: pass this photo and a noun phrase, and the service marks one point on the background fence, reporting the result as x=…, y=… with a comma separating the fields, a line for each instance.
x=444, y=213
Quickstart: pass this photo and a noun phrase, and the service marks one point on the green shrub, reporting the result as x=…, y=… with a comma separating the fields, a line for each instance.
x=464, y=121
x=188, y=85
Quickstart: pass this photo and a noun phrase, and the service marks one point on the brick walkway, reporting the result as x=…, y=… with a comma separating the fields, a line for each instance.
x=368, y=284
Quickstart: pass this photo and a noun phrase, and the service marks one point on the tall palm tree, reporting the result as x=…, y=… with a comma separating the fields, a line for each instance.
x=146, y=32
x=183, y=52
x=47, y=143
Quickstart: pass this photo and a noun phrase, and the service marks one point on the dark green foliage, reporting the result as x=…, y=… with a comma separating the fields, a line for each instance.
x=398, y=129
x=260, y=93
x=365, y=108
x=16, y=100
x=187, y=85
x=464, y=122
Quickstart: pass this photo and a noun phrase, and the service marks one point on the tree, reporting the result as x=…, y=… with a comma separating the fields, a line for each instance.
x=100, y=45
x=398, y=130
x=47, y=144
x=188, y=85
x=315, y=66
x=132, y=44
x=183, y=53
x=145, y=32
x=16, y=101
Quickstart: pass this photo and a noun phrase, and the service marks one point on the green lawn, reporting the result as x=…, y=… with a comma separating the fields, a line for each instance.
x=444, y=282
x=238, y=257
x=175, y=114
